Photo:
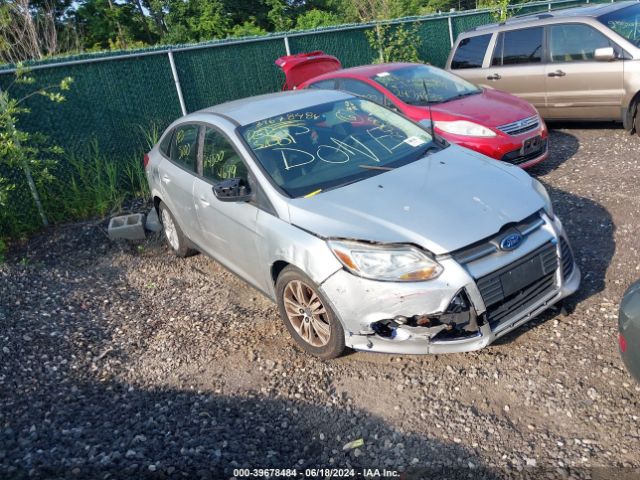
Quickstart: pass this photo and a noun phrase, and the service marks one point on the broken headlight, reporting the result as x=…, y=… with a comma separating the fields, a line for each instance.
x=402, y=263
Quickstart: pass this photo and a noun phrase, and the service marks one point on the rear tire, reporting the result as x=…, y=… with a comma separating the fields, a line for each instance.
x=308, y=315
x=173, y=233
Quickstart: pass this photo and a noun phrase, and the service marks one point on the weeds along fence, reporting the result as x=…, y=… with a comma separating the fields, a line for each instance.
x=117, y=98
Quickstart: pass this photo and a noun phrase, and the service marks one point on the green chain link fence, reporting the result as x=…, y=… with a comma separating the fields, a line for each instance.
x=115, y=96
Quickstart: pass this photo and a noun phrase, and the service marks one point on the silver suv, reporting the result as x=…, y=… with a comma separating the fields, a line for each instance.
x=366, y=231
x=580, y=63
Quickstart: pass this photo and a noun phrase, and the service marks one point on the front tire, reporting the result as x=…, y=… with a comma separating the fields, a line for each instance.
x=173, y=233
x=308, y=315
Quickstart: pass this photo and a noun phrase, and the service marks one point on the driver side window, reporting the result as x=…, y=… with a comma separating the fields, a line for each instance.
x=575, y=42
x=220, y=161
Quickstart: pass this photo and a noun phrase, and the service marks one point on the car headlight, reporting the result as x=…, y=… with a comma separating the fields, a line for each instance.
x=402, y=263
x=548, y=206
x=466, y=128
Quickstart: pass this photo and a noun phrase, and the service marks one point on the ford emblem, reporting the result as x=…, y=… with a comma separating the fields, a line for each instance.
x=511, y=241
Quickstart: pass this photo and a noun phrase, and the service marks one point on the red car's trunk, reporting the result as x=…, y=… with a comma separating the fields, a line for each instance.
x=303, y=66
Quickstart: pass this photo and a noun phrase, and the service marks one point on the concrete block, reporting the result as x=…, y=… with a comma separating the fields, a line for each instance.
x=153, y=223
x=127, y=227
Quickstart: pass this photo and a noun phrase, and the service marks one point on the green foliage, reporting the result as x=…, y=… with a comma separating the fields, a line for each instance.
x=91, y=183
x=499, y=10
x=24, y=154
x=3, y=250
x=317, y=18
x=394, y=43
x=247, y=29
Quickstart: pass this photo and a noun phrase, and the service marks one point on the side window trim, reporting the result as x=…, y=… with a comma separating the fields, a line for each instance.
x=169, y=136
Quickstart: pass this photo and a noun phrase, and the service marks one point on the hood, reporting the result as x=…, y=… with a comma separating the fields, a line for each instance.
x=491, y=108
x=305, y=66
x=442, y=202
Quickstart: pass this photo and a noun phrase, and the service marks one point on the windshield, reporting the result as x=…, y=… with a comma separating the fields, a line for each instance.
x=333, y=144
x=625, y=22
x=424, y=85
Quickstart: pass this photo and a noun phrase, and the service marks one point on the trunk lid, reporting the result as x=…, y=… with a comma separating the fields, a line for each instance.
x=304, y=66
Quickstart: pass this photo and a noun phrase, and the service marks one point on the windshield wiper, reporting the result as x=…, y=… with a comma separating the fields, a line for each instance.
x=377, y=167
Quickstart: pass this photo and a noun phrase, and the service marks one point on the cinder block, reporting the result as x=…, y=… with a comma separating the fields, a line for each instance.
x=127, y=227
x=153, y=223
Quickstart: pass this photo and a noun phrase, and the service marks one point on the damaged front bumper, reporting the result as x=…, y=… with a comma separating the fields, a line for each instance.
x=458, y=311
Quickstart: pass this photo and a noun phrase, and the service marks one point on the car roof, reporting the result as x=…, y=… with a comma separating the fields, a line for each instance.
x=252, y=109
x=586, y=11
x=363, y=71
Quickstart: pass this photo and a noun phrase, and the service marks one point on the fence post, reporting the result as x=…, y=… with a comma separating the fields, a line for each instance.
x=286, y=45
x=450, y=31
x=174, y=72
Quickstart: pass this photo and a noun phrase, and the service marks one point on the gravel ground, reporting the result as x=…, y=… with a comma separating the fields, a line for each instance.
x=122, y=361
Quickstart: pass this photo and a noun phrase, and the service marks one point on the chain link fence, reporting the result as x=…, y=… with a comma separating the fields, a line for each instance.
x=118, y=97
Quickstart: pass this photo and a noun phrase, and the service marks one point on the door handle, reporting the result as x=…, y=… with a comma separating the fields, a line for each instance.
x=495, y=76
x=203, y=201
x=557, y=73
x=165, y=178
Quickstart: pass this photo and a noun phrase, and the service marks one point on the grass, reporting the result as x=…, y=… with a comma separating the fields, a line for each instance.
x=91, y=183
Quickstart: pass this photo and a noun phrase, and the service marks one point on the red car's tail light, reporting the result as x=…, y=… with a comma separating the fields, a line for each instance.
x=145, y=161
x=623, y=343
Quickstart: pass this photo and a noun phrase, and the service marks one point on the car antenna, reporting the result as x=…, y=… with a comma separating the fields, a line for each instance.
x=433, y=132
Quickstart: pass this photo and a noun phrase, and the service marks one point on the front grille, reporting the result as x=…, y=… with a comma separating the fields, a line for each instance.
x=567, y=259
x=515, y=158
x=502, y=303
x=488, y=246
x=521, y=126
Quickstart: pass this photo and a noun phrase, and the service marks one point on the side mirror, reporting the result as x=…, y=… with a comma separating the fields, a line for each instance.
x=232, y=190
x=604, y=54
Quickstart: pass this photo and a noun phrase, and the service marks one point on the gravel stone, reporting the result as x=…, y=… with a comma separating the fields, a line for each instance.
x=123, y=361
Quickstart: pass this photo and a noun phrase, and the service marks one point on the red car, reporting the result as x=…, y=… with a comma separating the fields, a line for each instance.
x=491, y=122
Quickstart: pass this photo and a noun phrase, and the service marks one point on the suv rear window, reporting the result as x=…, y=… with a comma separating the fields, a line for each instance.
x=517, y=47
x=470, y=52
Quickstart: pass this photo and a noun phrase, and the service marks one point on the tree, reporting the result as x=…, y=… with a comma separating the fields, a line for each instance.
x=317, y=18
x=25, y=151
x=247, y=29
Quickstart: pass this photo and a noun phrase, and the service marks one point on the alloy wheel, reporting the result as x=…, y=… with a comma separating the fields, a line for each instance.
x=306, y=313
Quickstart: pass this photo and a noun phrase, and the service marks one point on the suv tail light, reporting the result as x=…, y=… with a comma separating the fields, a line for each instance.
x=145, y=161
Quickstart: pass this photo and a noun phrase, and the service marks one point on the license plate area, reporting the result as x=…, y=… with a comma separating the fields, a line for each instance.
x=522, y=275
x=531, y=145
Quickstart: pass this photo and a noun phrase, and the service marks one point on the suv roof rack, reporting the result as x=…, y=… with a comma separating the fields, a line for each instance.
x=524, y=18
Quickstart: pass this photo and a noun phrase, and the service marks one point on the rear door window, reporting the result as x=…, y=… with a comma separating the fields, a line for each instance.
x=470, y=52
x=184, y=146
x=518, y=47
x=362, y=89
x=575, y=42
x=165, y=144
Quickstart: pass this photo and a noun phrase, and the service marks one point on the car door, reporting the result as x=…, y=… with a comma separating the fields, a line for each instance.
x=177, y=174
x=517, y=64
x=578, y=86
x=228, y=228
x=468, y=59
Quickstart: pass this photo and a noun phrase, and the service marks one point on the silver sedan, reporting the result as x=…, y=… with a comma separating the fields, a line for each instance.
x=366, y=231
